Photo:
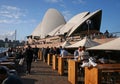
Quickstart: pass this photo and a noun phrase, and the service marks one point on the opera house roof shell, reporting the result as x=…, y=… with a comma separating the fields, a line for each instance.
x=53, y=24
x=51, y=20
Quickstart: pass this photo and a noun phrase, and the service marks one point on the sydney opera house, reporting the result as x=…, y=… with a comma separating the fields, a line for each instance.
x=101, y=62
x=54, y=25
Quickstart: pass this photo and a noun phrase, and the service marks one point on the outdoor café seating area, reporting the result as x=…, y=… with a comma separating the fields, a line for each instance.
x=11, y=63
x=68, y=66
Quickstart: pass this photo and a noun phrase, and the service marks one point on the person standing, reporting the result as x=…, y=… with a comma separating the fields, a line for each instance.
x=55, y=51
x=45, y=53
x=29, y=58
x=64, y=52
x=36, y=53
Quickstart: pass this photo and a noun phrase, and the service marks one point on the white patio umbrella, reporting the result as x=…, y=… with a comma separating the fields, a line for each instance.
x=65, y=44
x=111, y=45
x=84, y=42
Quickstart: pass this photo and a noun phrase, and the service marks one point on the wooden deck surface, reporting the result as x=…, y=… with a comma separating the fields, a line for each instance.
x=42, y=73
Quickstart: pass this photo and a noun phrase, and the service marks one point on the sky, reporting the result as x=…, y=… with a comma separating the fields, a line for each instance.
x=24, y=15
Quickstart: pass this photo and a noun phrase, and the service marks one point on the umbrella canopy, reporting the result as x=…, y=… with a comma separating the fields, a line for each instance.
x=66, y=43
x=84, y=42
x=111, y=45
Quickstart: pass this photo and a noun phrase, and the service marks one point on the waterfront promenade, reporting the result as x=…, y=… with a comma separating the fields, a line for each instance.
x=42, y=73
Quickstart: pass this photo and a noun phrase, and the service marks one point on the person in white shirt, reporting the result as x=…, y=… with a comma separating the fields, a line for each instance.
x=84, y=54
x=86, y=59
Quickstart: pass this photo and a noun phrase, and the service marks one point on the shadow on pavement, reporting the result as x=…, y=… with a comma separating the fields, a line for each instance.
x=28, y=81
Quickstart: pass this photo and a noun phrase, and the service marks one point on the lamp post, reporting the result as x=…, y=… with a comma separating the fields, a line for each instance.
x=59, y=32
x=88, y=22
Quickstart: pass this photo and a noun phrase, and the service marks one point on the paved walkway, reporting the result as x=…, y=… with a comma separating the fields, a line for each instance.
x=42, y=73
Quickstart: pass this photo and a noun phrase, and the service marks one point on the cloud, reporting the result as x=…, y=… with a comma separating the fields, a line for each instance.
x=10, y=33
x=11, y=12
x=67, y=15
x=7, y=34
x=13, y=15
x=58, y=2
x=53, y=1
x=17, y=21
x=63, y=5
x=78, y=1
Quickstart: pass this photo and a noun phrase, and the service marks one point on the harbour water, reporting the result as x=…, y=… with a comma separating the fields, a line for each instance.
x=2, y=49
x=2, y=54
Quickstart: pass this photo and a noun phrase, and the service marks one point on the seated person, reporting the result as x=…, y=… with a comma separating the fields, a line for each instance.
x=86, y=59
x=77, y=53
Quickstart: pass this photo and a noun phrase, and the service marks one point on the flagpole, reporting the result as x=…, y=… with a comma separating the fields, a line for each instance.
x=15, y=34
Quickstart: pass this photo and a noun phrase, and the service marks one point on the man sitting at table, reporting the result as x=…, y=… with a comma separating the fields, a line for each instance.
x=77, y=53
x=86, y=59
x=83, y=56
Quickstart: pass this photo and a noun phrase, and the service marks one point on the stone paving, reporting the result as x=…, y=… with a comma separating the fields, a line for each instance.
x=42, y=73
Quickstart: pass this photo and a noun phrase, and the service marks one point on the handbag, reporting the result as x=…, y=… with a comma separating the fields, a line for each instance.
x=21, y=61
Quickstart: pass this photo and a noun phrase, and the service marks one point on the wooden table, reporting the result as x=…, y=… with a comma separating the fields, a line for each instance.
x=49, y=59
x=40, y=55
x=72, y=71
x=10, y=65
x=61, y=61
x=8, y=60
x=93, y=75
x=54, y=62
x=13, y=57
